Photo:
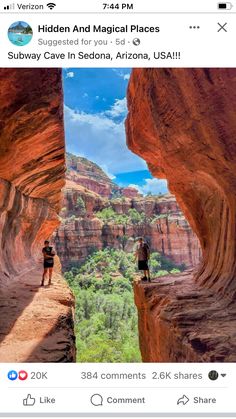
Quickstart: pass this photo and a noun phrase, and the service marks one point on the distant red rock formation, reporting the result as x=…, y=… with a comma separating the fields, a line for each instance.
x=85, y=173
x=130, y=192
x=81, y=232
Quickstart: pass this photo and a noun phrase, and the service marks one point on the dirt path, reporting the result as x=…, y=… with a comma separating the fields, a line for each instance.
x=36, y=323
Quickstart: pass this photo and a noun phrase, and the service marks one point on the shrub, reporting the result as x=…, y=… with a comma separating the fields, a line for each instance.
x=109, y=215
x=175, y=271
x=161, y=273
x=80, y=206
x=135, y=216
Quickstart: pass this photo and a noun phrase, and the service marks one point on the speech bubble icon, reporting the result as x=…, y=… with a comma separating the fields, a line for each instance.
x=96, y=400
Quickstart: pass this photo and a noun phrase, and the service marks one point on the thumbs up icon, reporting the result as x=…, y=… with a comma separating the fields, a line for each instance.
x=29, y=401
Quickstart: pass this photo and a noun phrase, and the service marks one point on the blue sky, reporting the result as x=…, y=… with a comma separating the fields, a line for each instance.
x=19, y=22
x=95, y=110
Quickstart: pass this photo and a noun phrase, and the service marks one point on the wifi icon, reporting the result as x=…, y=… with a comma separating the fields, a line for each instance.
x=51, y=5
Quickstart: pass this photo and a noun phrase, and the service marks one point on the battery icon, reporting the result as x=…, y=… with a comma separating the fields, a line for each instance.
x=225, y=6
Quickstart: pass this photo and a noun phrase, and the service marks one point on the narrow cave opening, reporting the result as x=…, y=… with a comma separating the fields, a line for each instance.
x=110, y=200
x=184, y=134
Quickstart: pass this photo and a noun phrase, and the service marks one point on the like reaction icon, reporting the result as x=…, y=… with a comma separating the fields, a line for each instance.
x=12, y=375
x=29, y=400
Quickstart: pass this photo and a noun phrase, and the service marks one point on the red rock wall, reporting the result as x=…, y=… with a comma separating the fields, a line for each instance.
x=32, y=167
x=178, y=322
x=80, y=231
x=173, y=237
x=31, y=163
x=130, y=192
x=83, y=172
x=76, y=239
x=71, y=193
x=183, y=123
x=102, y=189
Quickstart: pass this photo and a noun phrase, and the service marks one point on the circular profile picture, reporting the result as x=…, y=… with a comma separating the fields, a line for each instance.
x=213, y=375
x=20, y=33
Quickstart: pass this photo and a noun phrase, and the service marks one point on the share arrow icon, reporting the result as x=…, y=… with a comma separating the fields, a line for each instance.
x=183, y=400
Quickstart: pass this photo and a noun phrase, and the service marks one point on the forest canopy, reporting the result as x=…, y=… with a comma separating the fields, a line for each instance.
x=105, y=316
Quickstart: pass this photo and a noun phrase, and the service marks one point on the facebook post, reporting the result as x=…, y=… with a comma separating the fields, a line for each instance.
x=117, y=231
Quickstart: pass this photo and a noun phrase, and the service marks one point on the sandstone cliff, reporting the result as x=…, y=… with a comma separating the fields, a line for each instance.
x=130, y=192
x=31, y=177
x=179, y=322
x=182, y=122
x=81, y=231
x=85, y=173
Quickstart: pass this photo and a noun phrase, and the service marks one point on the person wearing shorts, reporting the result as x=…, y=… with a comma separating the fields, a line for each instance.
x=142, y=254
x=48, y=262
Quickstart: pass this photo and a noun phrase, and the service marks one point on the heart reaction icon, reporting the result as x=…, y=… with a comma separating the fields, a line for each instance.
x=23, y=375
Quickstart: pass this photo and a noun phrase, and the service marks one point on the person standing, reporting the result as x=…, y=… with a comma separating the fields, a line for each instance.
x=48, y=262
x=142, y=254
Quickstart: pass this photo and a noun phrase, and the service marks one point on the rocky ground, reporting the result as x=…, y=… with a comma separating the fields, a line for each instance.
x=36, y=322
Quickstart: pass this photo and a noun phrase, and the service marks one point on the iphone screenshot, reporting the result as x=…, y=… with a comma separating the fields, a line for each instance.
x=117, y=208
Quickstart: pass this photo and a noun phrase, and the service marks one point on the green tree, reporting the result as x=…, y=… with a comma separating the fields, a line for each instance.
x=27, y=30
x=135, y=216
x=80, y=206
x=106, y=323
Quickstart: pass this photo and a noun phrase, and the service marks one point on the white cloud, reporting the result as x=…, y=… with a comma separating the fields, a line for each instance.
x=96, y=97
x=70, y=75
x=121, y=74
x=102, y=140
x=119, y=109
x=85, y=95
x=126, y=76
x=105, y=169
x=153, y=186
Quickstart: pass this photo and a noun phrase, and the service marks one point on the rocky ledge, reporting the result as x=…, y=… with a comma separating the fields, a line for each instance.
x=37, y=323
x=178, y=322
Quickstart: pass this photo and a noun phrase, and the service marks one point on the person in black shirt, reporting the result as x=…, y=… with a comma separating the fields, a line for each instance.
x=48, y=262
x=142, y=254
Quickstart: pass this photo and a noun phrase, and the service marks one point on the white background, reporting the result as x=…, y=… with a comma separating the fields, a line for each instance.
x=204, y=47
x=73, y=394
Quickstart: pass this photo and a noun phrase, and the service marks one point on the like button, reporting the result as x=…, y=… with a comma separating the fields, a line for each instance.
x=29, y=401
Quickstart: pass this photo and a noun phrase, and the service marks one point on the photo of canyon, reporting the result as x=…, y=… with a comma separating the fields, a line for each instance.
x=92, y=160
